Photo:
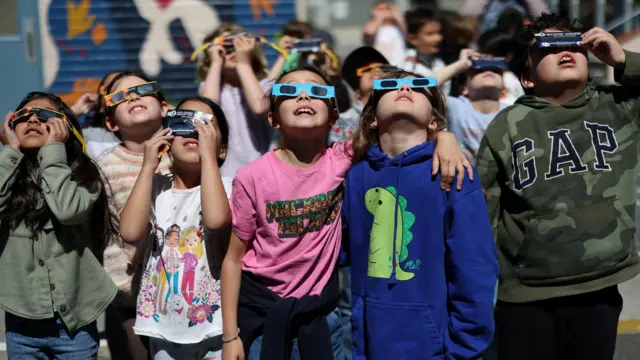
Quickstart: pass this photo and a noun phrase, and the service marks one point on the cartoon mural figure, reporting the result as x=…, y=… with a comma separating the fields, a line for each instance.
x=382, y=203
x=191, y=250
x=168, y=266
x=197, y=17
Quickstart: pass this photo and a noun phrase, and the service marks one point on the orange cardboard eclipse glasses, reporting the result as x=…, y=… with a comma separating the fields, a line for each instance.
x=372, y=67
x=123, y=95
x=44, y=115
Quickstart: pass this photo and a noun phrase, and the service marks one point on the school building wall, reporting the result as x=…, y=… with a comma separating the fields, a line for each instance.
x=81, y=40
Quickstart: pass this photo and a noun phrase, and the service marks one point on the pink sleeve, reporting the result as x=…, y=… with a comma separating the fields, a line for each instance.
x=242, y=207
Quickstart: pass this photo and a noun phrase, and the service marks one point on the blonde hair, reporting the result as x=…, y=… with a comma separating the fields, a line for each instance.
x=366, y=136
x=258, y=61
x=183, y=248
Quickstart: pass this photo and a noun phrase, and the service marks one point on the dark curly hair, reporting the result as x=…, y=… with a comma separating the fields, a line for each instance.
x=27, y=205
x=524, y=38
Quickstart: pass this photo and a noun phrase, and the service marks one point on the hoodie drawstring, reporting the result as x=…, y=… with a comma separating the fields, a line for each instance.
x=393, y=279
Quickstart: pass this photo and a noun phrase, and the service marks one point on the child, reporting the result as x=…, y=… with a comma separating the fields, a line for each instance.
x=422, y=280
x=497, y=42
x=191, y=203
x=293, y=30
x=386, y=31
x=360, y=68
x=560, y=169
x=278, y=274
x=99, y=139
x=54, y=214
x=134, y=110
x=470, y=115
x=424, y=33
x=236, y=79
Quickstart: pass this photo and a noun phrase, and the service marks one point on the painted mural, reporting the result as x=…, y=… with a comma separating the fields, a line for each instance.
x=84, y=39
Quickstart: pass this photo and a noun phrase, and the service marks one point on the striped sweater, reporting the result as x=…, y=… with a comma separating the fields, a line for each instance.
x=121, y=168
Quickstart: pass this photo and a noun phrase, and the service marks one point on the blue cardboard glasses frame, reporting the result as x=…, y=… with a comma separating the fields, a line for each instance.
x=394, y=84
x=313, y=90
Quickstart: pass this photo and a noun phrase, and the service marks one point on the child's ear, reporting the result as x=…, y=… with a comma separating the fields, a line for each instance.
x=525, y=80
x=272, y=120
x=223, y=151
x=110, y=124
x=374, y=124
x=334, y=116
x=165, y=108
x=411, y=38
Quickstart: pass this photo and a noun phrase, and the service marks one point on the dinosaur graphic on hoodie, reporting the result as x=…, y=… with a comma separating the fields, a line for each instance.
x=382, y=204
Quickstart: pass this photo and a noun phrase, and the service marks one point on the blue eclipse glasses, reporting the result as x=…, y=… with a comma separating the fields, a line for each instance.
x=489, y=63
x=394, y=84
x=313, y=90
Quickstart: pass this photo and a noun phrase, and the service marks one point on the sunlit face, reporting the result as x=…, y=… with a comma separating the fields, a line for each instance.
x=427, y=40
x=556, y=66
x=405, y=104
x=303, y=116
x=366, y=81
x=33, y=133
x=138, y=111
x=173, y=239
x=191, y=240
x=485, y=79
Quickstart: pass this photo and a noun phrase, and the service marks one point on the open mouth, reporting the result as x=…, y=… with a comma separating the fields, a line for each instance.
x=304, y=111
x=137, y=108
x=566, y=59
x=191, y=144
x=33, y=132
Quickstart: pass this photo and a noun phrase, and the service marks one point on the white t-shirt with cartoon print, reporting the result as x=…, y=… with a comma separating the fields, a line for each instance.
x=179, y=299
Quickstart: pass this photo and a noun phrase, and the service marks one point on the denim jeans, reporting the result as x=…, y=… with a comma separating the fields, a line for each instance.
x=49, y=339
x=335, y=329
x=345, y=310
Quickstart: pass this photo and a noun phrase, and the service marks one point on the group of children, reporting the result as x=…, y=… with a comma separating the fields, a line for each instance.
x=256, y=229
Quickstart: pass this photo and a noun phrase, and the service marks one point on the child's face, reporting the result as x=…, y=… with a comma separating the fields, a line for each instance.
x=229, y=57
x=404, y=104
x=304, y=116
x=33, y=133
x=485, y=79
x=185, y=150
x=366, y=81
x=557, y=66
x=138, y=111
x=427, y=40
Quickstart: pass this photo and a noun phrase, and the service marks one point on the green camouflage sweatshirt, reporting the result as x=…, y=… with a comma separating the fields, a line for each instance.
x=561, y=187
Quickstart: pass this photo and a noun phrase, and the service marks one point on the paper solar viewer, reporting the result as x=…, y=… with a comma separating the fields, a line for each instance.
x=306, y=45
x=558, y=39
x=181, y=123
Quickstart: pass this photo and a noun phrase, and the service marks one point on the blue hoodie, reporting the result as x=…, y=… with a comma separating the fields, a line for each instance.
x=434, y=299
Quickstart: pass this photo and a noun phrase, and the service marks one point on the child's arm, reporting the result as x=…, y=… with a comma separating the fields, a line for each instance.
x=471, y=267
x=134, y=218
x=450, y=71
x=449, y=159
x=69, y=202
x=253, y=93
x=285, y=42
x=10, y=158
x=215, y=206
x=211, y=86
x=230, y=282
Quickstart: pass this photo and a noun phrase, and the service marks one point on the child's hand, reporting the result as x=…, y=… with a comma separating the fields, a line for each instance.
x=85, y=103
x=605, y=47
x=244, y=47
x=465, y=59
x=448, y=158
x=7, y=135
x=207, y=139
x=216, y=54
x=233, y=350
x=58, y=130
x=153, y=146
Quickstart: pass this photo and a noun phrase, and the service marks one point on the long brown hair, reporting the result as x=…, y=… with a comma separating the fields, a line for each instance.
x=258, y=61
x=367, y=136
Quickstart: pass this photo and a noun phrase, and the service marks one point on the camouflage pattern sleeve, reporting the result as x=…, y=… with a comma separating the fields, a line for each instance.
x=627, y=96
x=492, y=155
x=630, y=76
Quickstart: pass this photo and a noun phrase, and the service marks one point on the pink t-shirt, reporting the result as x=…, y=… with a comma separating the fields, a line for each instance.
x=291, y=220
